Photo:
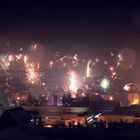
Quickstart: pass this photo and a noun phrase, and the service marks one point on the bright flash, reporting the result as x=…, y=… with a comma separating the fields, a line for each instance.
x=127, y=87
x=25, y=59
x=18, y=57
x=73, y=82
x=88, y=71
x=34, y=47
x=120, y=57
x=51, y=64
x=111, y=98
x=10, y=58
x=105, y=83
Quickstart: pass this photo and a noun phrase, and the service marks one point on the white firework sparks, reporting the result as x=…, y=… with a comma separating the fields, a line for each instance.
x=31, y=69
x=73, y=82
x=105, y=84
x=34, y=47
x=88, y=71
x=4, y=62
x=128, y=87
x=31, y=73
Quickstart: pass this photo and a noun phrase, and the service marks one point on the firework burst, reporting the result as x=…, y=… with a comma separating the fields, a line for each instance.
x=73, y=82
x=105, y=84
x=88, y=71
x=4, y=62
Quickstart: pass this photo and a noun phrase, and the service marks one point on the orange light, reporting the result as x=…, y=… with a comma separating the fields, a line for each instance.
x=49, y=126
x=111, y=98
x=83, y=95
x=51, y=64
x=18, y=98
x=75, y=123
x=73, y=95
x=135, y=101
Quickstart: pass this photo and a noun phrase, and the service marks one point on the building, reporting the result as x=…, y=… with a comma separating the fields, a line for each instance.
x=63, y=116
x=103, y=106
x=66, y=119
x=129, y=114
x=133, y=98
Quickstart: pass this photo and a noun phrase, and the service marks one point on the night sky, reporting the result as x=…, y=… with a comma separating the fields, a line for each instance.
x=77, y=26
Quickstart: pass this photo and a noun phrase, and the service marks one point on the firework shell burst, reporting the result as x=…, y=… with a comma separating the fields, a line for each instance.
x=32, y=73
x=105, y=84
x=4, y=62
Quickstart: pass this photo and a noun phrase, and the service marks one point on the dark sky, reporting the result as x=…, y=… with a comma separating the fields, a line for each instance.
x=88, y=27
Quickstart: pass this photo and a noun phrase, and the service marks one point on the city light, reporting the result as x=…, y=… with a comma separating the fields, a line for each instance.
x=70, y=69
x=135, y=101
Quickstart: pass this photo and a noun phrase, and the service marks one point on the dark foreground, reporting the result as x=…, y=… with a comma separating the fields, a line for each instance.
x=69, y=134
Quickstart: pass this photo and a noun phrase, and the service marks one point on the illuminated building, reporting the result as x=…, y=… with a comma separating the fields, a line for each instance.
x=103, y=106
x=63, y=115
x=134, y=98
x=129, y=114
